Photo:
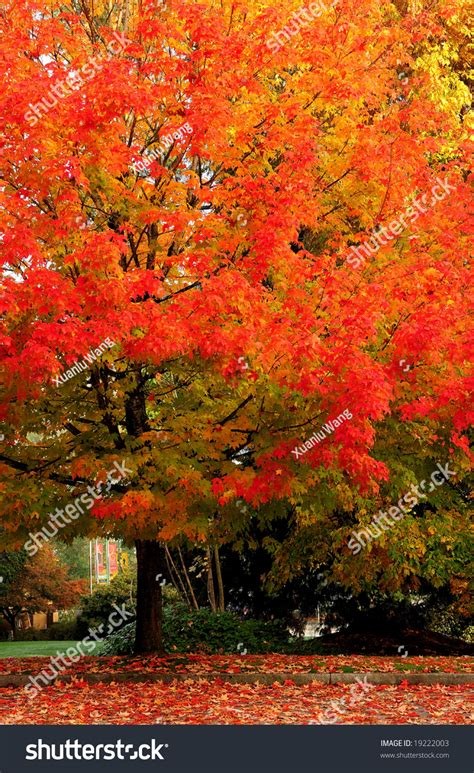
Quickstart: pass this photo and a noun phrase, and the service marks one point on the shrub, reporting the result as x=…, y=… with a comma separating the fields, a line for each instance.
x=468, y=634
x=220, y=632
x=66, y=630
x=97, y=607
x=206, y=632
x=119, y=643
x=31, y=634
x=171, y=597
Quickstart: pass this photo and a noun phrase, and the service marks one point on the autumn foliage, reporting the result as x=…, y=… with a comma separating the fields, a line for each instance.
x=38, y=584
x=221, y=274
x=238, y=704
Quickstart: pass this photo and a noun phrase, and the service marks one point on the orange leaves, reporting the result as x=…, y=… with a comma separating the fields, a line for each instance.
x=83, y=467
x=209, y=702
x=201, y=665
x=136, y=505
x=223, y=269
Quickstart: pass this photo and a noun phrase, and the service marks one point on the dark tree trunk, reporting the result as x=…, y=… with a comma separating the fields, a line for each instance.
x=211, y=593
x=220, y=584
x=151, y=565
x=150, y=573
x=11, y=618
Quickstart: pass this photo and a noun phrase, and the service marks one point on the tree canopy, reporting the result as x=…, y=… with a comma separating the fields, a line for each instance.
x=231, y=277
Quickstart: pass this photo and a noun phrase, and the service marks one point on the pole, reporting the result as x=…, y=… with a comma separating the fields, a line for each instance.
x=90, y=565
x=96, y=561
x=107, y=560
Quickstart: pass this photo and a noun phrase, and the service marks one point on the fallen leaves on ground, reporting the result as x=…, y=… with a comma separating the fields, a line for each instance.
x=205, y=703
x=260, y=664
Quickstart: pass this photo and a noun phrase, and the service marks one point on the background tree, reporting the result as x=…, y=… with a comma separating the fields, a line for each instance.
x=38, y=584
x=76, y=556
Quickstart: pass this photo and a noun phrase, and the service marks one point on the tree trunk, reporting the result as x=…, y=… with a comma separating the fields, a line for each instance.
x=173, y=568
x=220, y=584
x=211, y=594
x=151, y=566
x=10, y=617
x=186, y=575
x=150, y=571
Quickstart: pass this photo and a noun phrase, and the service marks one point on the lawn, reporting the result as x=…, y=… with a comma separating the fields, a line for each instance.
x=33, y=649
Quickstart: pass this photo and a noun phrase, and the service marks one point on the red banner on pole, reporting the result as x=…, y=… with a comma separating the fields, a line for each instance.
x=113, y=558
x=101, y=567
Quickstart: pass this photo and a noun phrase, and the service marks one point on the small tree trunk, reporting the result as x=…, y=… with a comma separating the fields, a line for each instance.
x=193, y=597
x=172, y=566
x=11, y=618
x=150, y=564
x=220, y=584
x=211, y=594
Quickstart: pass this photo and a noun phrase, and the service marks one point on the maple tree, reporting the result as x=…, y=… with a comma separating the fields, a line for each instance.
x=221, y=276
x=35, y=584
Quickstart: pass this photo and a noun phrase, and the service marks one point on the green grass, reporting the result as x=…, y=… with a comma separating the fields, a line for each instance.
x=33, y=649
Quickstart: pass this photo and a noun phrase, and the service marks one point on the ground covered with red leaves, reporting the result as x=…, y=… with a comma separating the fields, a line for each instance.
x=205, y=703
x=260, y=664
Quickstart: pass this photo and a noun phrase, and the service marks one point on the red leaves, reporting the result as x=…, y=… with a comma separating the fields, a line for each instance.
x=256, y=664
x=216, y=701
x=222, y=703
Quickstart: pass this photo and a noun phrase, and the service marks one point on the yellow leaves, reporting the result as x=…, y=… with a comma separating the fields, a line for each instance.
x=447, y=542
x=448, y=91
